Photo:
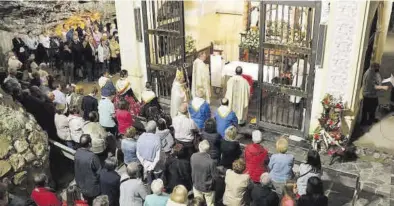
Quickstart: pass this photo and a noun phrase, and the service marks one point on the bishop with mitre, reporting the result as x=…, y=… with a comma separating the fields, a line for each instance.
x=238, y=93
x=200, y=77
x=179, y=93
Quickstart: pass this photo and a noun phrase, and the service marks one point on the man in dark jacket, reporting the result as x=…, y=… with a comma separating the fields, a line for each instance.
x=203, y=174
x=89, y=103
x=77, y=49
x=110, y=181
x=213, y=138
x=87, y=168
x=263, y=193
x=178, y=170
x=89, y=57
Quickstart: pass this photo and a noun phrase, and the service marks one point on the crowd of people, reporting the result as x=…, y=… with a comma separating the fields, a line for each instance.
x=78, y=53
x=191, y=157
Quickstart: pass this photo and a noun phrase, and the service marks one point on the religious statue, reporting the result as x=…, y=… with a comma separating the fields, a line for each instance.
x=254, y=17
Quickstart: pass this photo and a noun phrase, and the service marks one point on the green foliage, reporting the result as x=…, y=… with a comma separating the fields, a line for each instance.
x=190, y=44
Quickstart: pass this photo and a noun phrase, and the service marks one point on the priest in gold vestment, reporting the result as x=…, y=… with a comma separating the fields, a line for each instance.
x=200, y=77
x=238, y=93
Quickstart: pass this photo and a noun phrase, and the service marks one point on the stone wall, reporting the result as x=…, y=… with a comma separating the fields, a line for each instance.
x=24, y=149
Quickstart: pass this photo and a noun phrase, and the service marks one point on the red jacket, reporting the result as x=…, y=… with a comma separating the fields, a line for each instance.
x=255, y=157
x=43, y=196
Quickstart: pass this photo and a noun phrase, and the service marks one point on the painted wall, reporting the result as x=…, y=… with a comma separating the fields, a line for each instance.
x=205, y=25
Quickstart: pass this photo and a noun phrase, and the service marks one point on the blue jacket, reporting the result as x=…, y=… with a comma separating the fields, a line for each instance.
x=224, y=121
x=200, y=115
x=108, y=89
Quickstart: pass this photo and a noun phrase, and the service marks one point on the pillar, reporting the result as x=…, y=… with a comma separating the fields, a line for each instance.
x=384, y=13
x=132, y=52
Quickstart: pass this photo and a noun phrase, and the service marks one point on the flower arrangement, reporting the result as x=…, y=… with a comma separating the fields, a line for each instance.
x=190, y=44
x=328, y=133
x=251, y=41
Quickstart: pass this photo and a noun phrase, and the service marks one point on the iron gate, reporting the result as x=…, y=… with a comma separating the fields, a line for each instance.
x=163, y=23
x=288, y=39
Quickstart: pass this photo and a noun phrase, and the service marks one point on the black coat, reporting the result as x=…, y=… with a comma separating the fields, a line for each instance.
x=110, y=186
x=89, y=104
x=88, y=53
x=77, y=49
x=214, y=144
x=178, y=172
x=307, y=200
x=264, y=196
x=231, y=151
x=87, y=172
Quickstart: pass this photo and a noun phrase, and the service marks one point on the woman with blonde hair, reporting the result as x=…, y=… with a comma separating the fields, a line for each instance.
x=236, y=184
x=178, y=196
x=230, y=148
x=76, y=98
x=281, y=165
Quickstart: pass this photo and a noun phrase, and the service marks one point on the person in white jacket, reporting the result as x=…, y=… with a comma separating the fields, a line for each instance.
x=76, y=123
x=62, y=126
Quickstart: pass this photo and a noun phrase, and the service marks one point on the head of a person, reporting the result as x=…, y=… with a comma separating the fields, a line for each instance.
x=238, y=70
x=12, y=71
x=224, y=102
x=93, y=116
x=79, y=89
x=179, y=151
x=74, y=110
x=32, y=57
x=123, y=73
x=40, y=180
x=51, y=96
x=148, y=86
x=60, y=108
x=183, y=108
x=115, y=33
x=162, y=124
x=239, y=166
x=230, y=133
x=110, y=163
x=42, y=66
x=200, y=93
x=123, y=105
x=197, y=201
x=282, y=145
x=65, y=26
x=3, y=194
x=289, y=189
x=313, y=159
x=151, y=127
x=133, y=170
x=202, y=56
x=179, y=194
x=103, y=41
x=375, y=67
x=58, y=86
x=35, y=75
x=157, y=186
x=105, y=74
x=94, y=91
x=210, y=126
x=257, y=136
x=265, y=179
x=314, y=186
x=75, y=37
x=203, y=146
x=85, y=141
x=130, y=133
x=101, y=200
x=73, y=193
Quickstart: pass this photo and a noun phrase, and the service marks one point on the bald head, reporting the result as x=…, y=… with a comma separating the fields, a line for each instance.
x=238, y=70
x=224, y=101
x=85, y=141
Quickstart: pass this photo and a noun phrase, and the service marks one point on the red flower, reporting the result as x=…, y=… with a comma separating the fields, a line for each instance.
x=330, y=122
x=316, y=136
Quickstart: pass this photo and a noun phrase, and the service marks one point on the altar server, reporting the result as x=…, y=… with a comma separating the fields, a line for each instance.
x=199, y=109
x=225, y=117
x=238, y=93
x=200, y=77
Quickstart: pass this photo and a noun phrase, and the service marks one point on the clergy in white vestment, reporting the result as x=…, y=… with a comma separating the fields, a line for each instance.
x=298, y=77
x=200, y=77
x=179, y=93
x=238, y=93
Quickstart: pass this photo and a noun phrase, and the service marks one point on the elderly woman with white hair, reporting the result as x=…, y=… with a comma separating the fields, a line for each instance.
x=263, y=194
x=158, y=197
x=148, y=151
x=230, y=148
x=256, y=157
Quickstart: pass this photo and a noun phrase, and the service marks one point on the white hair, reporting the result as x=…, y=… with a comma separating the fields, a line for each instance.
x=257, y=137
x=265, y=179
x=157, y=186
x=151, y=126
x=203, y=146
x=101, y=200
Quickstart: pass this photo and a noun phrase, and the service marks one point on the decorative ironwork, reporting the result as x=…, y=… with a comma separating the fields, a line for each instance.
x=288, y=40
x=138, y=26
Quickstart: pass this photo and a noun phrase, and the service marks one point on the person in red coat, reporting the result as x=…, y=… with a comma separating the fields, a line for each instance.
x=256, y=157
x=42, y=195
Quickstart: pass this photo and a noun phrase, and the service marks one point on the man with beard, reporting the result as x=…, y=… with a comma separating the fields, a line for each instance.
x=371, y=84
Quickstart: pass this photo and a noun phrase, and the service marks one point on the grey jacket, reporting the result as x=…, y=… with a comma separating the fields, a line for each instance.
x=305, y=173
x=203, y=172
x=167, y=141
